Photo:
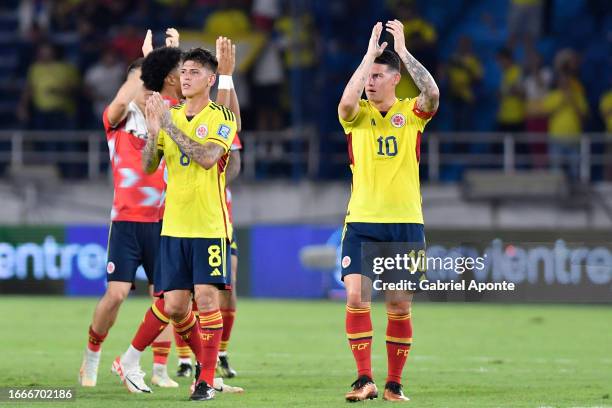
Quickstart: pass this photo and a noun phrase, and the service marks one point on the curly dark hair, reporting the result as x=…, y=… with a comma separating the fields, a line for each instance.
x=389, y=58
x=202, y=56
x=157, y=65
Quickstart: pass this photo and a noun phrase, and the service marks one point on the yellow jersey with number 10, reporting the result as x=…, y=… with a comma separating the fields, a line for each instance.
x=384, y=154
x=195, y=197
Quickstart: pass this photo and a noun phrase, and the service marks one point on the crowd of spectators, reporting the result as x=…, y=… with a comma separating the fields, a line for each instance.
x=73, y=54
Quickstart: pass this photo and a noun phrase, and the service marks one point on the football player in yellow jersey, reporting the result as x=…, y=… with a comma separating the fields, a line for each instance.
x=384, y=135
x=194, y=138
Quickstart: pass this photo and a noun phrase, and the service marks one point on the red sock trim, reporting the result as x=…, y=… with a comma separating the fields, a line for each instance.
x=95, y=340
x=161, y=349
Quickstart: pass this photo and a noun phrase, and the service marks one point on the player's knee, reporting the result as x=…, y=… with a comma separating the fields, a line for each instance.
x=354, y=298
x=176, y=310
x=398, y=306
x=115, y=296
x=207, y=298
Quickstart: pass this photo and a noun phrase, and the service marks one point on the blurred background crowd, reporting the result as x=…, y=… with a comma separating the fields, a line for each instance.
x=536, y=66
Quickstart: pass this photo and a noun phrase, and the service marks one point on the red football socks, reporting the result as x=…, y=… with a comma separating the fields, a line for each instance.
x=359, y=333
x=228, y=323
x=399, y=339
x=211, y=325
x=154, y=322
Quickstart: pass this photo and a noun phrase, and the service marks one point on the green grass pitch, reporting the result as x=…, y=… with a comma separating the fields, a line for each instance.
x=294, y=354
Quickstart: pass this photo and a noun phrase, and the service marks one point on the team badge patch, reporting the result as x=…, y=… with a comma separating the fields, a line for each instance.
x=224, y=131
x=346, y=262
x=398, y=120
x=110, y=267
x=202, y=131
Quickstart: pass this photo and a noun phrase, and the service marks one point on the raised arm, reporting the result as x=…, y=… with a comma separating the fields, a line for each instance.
x=226, y=94
x=429, y=97
x=349, y=103
x=206, y=155
x=151, y=155
x=118, y=108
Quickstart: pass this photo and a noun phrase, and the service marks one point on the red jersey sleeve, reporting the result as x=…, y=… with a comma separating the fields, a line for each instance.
x=107, y=125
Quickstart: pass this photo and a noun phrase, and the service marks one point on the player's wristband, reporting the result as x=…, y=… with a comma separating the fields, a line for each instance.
x=226, y=82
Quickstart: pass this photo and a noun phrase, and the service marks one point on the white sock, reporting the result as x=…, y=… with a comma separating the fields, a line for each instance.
x=223, y=354
x=160, y=370
x=184, y=360
x=93, y=355
x=131, y=357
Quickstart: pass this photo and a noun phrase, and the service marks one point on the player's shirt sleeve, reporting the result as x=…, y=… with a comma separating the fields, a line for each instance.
x=348, y=125
x=221, y=128
x=107, y=125
x=236, y=143
x=420, y=117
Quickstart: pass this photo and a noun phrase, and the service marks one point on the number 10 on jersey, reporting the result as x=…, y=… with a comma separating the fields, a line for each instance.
x=387, y=146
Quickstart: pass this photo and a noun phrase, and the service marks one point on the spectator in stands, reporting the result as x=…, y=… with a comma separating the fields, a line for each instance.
x=228, y=20
x=524, y=21
x=537, y=83
x=268, y=75
x=567, y=63
x=49, y=98
x=463, y=71
x=102, y=81
x=511, y=113
x=605, y=108
x=566, y=107
x=297, y=39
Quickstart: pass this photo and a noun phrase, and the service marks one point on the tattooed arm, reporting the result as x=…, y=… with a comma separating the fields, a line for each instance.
x=349, y=104
x=206, y=155
x=429, y=98
x=151, y=155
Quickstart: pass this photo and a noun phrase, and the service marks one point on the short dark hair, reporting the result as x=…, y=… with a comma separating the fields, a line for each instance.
x=203, y=56
x=389, y=58
x=157, y=65
x=137, y=63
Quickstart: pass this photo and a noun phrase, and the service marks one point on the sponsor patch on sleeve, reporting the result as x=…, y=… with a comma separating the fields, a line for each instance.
x=224, y=131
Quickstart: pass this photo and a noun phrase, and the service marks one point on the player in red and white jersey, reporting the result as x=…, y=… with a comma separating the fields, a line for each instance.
x=136, y=213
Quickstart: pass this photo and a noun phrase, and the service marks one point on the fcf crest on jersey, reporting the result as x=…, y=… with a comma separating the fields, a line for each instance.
x=202, y=131
x=398, y=120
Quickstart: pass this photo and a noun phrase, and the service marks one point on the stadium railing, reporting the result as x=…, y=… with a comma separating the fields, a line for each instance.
x=293, y=154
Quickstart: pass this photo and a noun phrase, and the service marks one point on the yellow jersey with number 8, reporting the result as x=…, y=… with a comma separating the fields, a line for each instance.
x=384, y=153
x=195, y=197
